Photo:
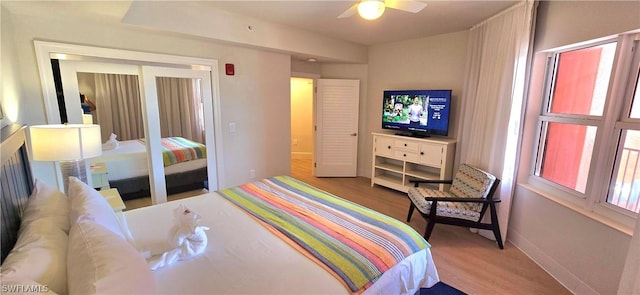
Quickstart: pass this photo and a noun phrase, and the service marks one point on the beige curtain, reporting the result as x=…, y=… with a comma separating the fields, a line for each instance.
x=180, y=106
x=493, y=95
x=118, y=110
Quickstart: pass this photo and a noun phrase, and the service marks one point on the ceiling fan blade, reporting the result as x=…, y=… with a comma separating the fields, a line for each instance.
x=349, y=12
x=406, y=5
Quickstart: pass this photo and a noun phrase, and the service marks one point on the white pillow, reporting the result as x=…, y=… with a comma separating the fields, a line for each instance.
x=100, y=262
x=47, y=202
x=87, y=203
x=40, y=254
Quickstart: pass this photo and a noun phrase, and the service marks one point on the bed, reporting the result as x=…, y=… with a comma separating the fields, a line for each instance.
x=247, y=251
x=128, y=169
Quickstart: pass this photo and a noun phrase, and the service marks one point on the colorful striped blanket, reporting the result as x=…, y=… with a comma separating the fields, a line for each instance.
x=179, y=149
x=356, y=243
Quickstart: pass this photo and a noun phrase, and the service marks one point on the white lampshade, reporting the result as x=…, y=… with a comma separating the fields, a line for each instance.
x=371, y=9
x=65, y=142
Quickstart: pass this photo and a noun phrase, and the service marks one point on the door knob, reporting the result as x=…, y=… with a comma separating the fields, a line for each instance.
x=354, y=134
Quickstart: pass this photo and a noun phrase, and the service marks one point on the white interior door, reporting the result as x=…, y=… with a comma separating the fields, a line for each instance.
x=336, y=142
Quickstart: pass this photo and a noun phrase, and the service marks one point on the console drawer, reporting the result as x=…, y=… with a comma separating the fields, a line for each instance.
x=406, y=156
x=407, y=145
x=383, y=146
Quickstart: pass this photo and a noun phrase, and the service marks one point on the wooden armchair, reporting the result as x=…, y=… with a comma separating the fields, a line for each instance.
x=465, y=203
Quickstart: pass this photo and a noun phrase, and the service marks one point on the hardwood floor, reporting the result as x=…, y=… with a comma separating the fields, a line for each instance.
x=464, y=260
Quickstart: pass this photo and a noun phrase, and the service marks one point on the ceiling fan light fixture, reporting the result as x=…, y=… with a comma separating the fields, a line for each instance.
x=371, y=9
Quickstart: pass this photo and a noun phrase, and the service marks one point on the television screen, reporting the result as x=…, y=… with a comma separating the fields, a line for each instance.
x=417, y=112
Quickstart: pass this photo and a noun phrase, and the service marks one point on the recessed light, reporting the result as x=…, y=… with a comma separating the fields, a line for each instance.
x=311, y=59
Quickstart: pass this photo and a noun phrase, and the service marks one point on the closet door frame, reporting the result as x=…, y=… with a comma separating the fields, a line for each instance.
x=45, y=51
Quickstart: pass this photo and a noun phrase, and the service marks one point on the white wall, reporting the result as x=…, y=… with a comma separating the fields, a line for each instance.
x=256, y=98
x=583, y=254
x=11, y=90
x=427, y=63
x=13, y=97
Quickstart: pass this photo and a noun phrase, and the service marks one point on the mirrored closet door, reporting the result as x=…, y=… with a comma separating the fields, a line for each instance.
x=110, y=95
x=164, y=114
x=175, y=100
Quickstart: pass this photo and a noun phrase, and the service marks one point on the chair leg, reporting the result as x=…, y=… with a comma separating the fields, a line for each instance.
x=410, y=211
x=496, y=232
x=432, y=219
x=427, y=232
x=496, y=226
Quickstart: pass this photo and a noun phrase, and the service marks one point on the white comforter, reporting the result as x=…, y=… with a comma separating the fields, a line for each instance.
x=243, y=257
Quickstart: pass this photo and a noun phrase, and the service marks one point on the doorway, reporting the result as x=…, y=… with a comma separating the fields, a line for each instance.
x=302, y=113
x=324, y=125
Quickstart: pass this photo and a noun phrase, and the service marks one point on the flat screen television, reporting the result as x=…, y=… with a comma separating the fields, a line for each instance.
x=418, y=113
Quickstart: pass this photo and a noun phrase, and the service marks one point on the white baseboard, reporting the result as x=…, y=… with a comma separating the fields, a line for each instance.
x=574, y=284
x=301, y=155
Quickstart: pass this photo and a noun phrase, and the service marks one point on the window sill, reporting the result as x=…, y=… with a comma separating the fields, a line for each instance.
x=619, y=226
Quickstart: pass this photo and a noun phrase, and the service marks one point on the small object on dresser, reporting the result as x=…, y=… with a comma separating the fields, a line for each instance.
x=99, y=176
x=113, y=197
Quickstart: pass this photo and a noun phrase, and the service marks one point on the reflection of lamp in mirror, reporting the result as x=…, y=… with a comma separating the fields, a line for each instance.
x=68, y=144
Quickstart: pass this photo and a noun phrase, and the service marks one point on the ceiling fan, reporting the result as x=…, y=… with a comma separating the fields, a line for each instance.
x=373, y=9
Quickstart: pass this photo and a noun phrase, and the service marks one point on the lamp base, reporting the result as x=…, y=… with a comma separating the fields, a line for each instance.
x=76, y=169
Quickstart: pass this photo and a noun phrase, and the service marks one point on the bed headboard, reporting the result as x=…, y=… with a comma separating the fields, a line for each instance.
x=16, y=182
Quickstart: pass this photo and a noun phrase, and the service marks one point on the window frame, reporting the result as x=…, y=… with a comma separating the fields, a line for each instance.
x=614, y=119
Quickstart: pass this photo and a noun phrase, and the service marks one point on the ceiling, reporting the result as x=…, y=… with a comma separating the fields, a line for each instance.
x=439, y=17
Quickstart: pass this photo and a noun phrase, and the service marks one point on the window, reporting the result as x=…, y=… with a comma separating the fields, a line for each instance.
x=626, y=181
x=589, y=127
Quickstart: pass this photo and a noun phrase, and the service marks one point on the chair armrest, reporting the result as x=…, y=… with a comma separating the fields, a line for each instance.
x=417, y=181
x=462, y=200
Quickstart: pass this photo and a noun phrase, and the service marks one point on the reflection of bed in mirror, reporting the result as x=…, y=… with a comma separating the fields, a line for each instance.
x=119, y=112
x=185, y=168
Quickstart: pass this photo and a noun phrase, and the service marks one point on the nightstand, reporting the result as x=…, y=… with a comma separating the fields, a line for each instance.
x=99, y=176
x=113, y=197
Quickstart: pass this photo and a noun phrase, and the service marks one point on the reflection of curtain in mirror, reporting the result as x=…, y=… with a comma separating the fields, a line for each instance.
x=180, y=104
x=118, y=107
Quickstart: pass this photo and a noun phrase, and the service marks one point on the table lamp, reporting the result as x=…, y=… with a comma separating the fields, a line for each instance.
x=69, y=144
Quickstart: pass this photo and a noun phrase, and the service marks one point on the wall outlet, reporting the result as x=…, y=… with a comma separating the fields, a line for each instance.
x=294, y=141
x=252, y=174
